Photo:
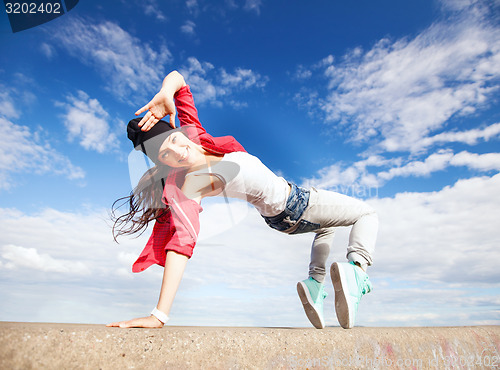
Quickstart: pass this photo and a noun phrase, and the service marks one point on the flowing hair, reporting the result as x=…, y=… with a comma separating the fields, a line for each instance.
x=144, y=204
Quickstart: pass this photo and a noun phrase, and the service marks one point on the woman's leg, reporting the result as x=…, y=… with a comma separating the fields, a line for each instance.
x=362, y=240
x=311, y=291
x=319, y=253
x=325, y=212
x=331, y=210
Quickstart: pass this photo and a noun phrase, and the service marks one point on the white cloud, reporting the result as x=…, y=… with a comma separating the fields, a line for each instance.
x=457, y=5
x=446, y=236
x=88, y=122
x=65, y=262
x=7, y=108
x=16, y=257
x=192, y=5
x=442, y=159
x=55, y=241
x=470, y=137
x=128, y=65
x=435, y=162
x=450, y=306
x=195, y=7
x=210, y=84
x=400, y=92
x=243, y=79
x=188, y=27
x=195, y=74
x=481, y=162
x=152, y=8
x=328, y=61
x=333, y=176
x=429, y=243
x=22, y=151
x=403, y=97
x=364, y=177
x=253, y=5
x=302, y=73
x=229, y=214
x=47, y=50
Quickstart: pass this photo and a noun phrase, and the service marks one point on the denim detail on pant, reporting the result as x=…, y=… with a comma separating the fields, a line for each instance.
x=322, y=212
x=295, y=205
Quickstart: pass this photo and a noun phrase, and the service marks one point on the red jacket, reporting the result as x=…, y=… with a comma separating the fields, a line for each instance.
x=178, y=229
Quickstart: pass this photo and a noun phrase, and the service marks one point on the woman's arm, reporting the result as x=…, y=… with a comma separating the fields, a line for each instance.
x=162, y=103
x=175, y=265
x=175, y=262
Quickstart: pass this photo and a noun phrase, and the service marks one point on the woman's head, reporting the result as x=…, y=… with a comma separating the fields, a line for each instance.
x=165, y=145
x=178, y=151
x=168, y=148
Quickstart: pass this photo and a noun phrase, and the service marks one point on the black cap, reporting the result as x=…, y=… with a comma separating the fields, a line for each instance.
x=149, y=142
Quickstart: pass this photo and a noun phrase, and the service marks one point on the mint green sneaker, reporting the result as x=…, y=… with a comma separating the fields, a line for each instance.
x=312, y=295
x=350, y=283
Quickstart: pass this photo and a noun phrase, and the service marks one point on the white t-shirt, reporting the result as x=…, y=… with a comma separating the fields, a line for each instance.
x=246, y=177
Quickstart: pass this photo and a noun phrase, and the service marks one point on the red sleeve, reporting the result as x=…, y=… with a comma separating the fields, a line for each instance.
x=154, y=251
x=178, y=231
x=185, y=226
x=188, y=117
x=186, y=110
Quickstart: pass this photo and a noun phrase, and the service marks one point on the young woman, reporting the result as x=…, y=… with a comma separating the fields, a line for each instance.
x=190, y=165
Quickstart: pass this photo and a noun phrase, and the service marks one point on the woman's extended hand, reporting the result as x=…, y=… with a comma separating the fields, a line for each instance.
x=160, y=106
x=141, y=322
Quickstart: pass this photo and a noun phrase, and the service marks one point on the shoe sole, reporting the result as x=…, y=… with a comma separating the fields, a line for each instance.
x=311, y=313
x=341, y=301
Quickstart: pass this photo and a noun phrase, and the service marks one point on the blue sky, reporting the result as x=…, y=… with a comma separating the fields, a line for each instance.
x=394, y=102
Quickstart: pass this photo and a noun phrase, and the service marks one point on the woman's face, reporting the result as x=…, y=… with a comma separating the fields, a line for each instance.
x=178, y=151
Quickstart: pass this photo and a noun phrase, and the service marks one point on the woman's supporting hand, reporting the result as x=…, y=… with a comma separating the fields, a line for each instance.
x=175, y=264
x=141, y=322
x=162, y=104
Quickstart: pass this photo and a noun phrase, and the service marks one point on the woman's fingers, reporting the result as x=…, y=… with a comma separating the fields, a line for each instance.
x=122, y=324
x=143, y=109
x=142, y=322
x=160, y=106
x=144, y=119
x=113, y=324
x=172, y=120
x=148, y=121
x=156, y=109
x=151, y=121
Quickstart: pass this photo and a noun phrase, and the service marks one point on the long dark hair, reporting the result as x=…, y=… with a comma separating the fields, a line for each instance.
x=144, y=204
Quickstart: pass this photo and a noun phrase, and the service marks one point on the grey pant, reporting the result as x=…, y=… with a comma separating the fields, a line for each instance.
x=328, y=210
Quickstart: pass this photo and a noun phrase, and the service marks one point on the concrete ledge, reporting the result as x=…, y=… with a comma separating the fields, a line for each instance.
x=74, y=346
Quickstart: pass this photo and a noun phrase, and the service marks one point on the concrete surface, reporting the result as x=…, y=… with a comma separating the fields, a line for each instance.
x=74, y=346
